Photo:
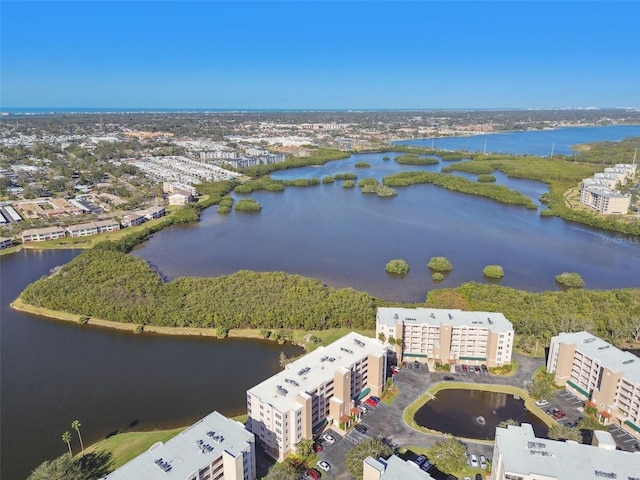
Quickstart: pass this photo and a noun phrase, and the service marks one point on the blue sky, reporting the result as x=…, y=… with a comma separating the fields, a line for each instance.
x=320, y=55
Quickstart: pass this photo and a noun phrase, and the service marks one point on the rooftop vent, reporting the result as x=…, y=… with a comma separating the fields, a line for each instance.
x=600, y=473
x=162, y=464
x=450, y=317
x=304, y=370
x=204, y=447
x=281, y=390
x=536, y=445
x=589, y=340
x=627, y=362
x=395, y=317
x=433, y=315
x=489, y=320
x=292, y=382
x=542, y=453
x=358, y=342
x=603, y=348
x=346, y=350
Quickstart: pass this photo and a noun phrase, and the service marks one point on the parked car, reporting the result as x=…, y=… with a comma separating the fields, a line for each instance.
x=416, y=364
x=473, y=459
x=478, y=476
x=421, y=459
x=363, y=409
x=313, y=473
x=324, y=465
x=329, y=439
x=361, y=428
x=317, y=447
x=370, y=401
x=448, y=378
x=395, y=369
x=483, y=462
x=464, y=368
x=375, y=399
x=426, y=466
x=484, y=368
x=542, y=403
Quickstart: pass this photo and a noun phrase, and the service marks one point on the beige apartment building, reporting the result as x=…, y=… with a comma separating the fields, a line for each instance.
x=446, y=336
x=214, y=448
x=320, y=389
x=519, y=455
x=600, y=192
x=604, y=376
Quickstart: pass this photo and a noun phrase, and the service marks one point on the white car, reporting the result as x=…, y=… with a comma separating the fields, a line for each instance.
x=329, y=439
x=542, y=403
x=324, y=465
x=483, y=462
x=363, y=409
x=474, y=460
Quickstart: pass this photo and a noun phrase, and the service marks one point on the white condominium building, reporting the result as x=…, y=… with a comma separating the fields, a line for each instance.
x=601, y=374
x=318, y=389
x=447, y=336
x=214, y=448
x=519, y=455
x=394, y=468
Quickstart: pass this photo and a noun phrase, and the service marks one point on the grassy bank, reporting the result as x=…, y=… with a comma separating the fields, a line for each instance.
x=297, y=336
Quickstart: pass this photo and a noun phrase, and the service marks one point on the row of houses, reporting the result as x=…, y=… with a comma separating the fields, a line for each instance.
x=91, y=228
x=600, y=191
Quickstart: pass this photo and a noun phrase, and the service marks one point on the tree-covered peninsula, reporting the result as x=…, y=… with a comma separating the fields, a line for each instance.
x=112, y=285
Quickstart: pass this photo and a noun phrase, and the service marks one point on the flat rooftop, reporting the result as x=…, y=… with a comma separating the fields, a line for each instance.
x=314, y=369
x=397, y=469
x=435, y=316
x=525, y=454
x=606, y=354
x=198, y=445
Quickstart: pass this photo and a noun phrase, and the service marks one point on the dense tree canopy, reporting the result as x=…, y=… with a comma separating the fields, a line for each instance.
x=371, y=447
x=114, y=286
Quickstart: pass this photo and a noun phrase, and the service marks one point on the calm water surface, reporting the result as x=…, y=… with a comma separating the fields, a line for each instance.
x=54, y=372
x=345, y=238
x=456, y=411
x=539, y=142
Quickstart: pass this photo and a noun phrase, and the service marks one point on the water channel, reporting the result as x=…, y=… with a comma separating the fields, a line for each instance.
x=54, y=372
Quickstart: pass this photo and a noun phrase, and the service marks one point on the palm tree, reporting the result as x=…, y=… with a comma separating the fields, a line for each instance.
x=76, y=426
x=66, y=437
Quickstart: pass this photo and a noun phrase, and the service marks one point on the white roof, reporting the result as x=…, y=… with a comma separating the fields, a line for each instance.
x=494, y=321
x=397, y=469
x=314, y=369
x=525, y=454
x=184, y=454
x=606, y=354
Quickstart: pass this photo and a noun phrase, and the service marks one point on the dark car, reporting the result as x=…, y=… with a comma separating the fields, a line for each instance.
x=361, y=428
x=313, y=473
x=478, y=476
x=448, y=378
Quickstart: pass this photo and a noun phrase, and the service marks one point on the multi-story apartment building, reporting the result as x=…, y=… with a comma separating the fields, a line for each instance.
x=42, y=234
x=319, y=389
x=214, y=448
x=600, y=192
x=444, y=336
x=519, y=455
x=601, y=374
x=393, y=468
x=5, y=242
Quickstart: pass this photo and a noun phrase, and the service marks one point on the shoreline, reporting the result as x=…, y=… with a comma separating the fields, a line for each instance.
x=297, y=336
